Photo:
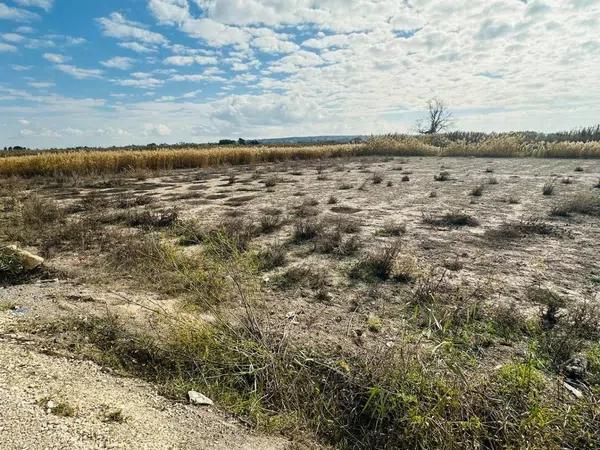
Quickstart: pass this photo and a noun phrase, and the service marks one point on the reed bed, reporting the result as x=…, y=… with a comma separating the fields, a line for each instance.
x=97, y=162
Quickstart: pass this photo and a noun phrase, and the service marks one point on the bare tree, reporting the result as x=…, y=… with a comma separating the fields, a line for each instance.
x=438, y=117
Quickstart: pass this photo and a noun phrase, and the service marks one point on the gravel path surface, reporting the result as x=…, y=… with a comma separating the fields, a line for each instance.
x=30, y=379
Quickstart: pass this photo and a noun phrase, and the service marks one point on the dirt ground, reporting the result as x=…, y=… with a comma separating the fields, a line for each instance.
x=564, y=260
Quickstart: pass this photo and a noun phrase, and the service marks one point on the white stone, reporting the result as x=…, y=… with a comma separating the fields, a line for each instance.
x=196, y=398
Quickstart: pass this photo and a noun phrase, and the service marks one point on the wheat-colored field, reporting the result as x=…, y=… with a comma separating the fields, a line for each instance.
x=116, y=161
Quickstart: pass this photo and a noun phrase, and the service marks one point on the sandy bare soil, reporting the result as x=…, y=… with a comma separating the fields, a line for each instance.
x=33, y=371
x=564, y=260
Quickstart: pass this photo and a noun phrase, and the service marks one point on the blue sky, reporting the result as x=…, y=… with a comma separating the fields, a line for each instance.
x=136, y=71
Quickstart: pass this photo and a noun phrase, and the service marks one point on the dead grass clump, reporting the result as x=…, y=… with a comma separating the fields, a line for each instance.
x=306, y=229
x=307, y=208
x=586, y=204
x=405, y=178
x=148, y=219
x=269, y=223
x=548, y=188
x=126, y=201
x=332, y=200
x=303, y=276
x=492, y=180
x=477, y=191
x=190, y=232
x=377, y=178
x=451, y=219
x=272, y=257
x=343, y=224
x=378, y=264
x=442, y=176
x=391, y=228
x=272, y=181
x=521, y=229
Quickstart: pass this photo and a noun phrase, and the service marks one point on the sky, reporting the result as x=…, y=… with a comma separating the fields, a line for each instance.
x=117, y=72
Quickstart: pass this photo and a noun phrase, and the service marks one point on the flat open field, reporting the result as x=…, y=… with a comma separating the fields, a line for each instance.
x=478, y=274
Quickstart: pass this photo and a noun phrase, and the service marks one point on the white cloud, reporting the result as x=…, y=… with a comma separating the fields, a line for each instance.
x=268, y=41
x=118, y=62
x=215, y=33
x=12, y=37
x=169, y=11
x=78, y=72
x=157, y=130
x=56, y=58
x=44, y=4
x=16, y=14
x=136, y=47
x=141, y=80
x=25, y=29
x=118, y=27
x=189, y=60
x=41, y=84
x=24, y=122
x=21, y=68
x=6, y=48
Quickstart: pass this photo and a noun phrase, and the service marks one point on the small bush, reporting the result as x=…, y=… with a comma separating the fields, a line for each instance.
x=405, y=178
x=393, y=229
x=269, y=223
x=442, y=176
x=452, y=219
x=587, y=204
x=520, y=229
x=477, y=191
x=306, y=229
x=332, y=200
x=379, y=264
x=374, y=323
x=271, y=181
x=272, y=257
x=548, y=188
x=377, y=178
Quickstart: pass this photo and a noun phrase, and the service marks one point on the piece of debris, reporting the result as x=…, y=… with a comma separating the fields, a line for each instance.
x=573, y=390
x=196, y=398
x=28, y=260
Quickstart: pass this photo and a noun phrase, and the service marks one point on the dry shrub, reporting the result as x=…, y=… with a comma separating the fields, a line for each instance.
x=477, y=191
x=548, y=188
x=272, y=257
x=521, y=229
x=379, y=264
x=306, y=229
x=586, y=204
x=452, y=219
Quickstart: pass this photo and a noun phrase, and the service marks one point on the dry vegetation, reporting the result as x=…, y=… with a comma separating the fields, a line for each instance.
x=329, y=298
x=94, y=162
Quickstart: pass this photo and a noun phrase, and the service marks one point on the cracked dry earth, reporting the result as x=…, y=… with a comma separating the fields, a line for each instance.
x=33, y=372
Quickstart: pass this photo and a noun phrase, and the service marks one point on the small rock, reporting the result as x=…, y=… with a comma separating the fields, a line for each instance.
x=50, y=405
x=196, y=398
